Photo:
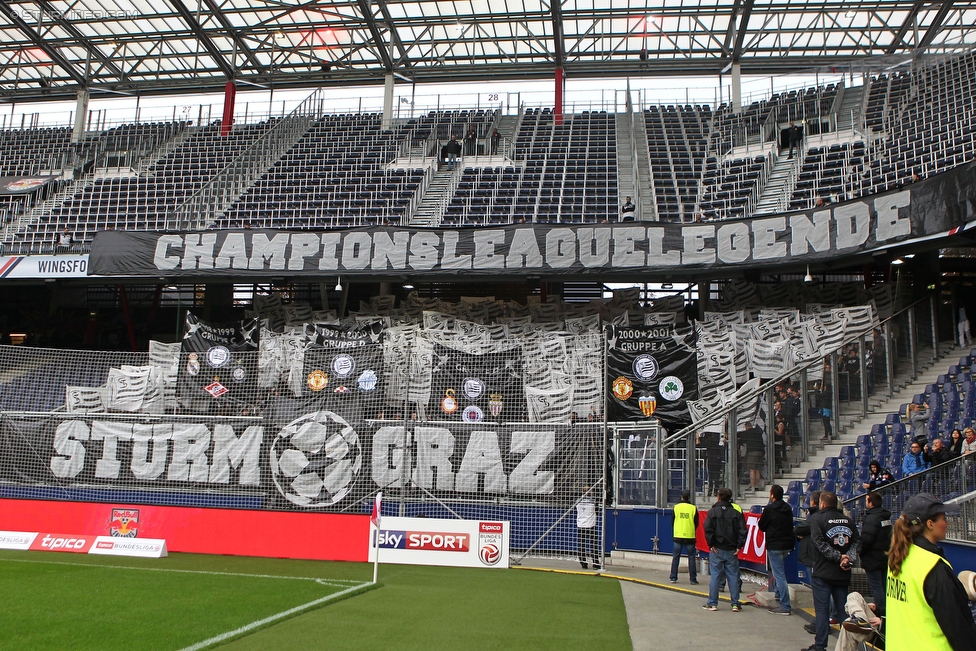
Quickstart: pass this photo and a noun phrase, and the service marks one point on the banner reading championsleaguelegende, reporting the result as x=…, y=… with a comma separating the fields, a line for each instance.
x=652, y=372
x=935, y=207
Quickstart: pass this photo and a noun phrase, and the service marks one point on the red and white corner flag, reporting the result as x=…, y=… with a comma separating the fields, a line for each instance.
x=374, y=519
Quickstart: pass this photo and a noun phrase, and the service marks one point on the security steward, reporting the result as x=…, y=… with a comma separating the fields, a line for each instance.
x=685, y=524
x=927, y=606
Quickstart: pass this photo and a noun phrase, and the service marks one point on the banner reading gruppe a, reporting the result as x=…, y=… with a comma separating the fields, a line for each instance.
x=935, y=207
x=652, y=372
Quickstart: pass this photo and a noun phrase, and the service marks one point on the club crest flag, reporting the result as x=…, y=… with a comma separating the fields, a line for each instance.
x=374, y=518
x=652, y=372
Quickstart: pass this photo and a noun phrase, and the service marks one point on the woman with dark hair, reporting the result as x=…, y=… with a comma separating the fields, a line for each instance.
x=879, y=476
x=955, y=444
x=927, y=606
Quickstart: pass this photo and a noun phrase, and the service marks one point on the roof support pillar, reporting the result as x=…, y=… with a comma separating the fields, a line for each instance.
x=81, y=114
x=388, y=82
x=230, y=96
x=560, y=92
x=737, y=87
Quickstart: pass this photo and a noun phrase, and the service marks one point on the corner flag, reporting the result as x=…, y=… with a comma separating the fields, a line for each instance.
x=374, y=519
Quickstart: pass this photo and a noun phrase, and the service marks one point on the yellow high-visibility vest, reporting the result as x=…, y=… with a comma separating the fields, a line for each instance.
x=684, y=520
x=911, y=622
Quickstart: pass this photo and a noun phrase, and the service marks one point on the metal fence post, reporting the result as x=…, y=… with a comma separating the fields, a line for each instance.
x=691, y=472
x=863, y=353
x=912, y=347
x=660, y=486
x=771, y=437
x=935, y=328
x=804, y=415
x=835, y=394
x=889, y=361
x=732, y=446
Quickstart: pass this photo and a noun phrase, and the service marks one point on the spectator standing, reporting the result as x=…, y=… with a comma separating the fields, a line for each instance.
x=777, y=522
x=471, y=142
x=825, y=398
x=586, y=530
x=969, y=444
x=835, y=538
x=794, y=135
x=627, y=210
x=914, y=462
x=927, y=605
x=725, y=533
x=453, y=149
x=684, y=520
x=875, y=541
x=752, y=448
x=965, y=338
x=918, y=416
x=495, y=139
x=878, y=476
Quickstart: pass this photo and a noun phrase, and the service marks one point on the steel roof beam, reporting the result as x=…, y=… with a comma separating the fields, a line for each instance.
x=201, y=35
x=241, y=44
x=934, y=28
x=77, y=35
x=42, y=43
x=558, y=38
x=366, y=10
x=742, y=29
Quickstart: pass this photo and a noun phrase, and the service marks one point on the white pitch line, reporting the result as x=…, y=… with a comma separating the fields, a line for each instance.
x=217, y=639
x=335, y=583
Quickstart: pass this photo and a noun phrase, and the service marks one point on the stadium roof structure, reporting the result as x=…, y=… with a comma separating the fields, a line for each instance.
x=54, y=48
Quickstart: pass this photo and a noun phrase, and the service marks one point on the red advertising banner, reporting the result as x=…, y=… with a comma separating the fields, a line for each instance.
x=755, y=548
x=316, y=536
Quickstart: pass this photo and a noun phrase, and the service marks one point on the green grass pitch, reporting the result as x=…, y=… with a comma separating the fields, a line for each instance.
x=68, y=601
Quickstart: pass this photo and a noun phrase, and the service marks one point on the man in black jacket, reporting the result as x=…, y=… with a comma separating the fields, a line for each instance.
x=875, y=542
x=725, y=533
x=794, y=135
x=777, y=523
x=806, y=555
x=835, y=538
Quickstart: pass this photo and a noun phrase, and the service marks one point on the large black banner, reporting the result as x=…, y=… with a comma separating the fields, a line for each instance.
x=308, y=459
x=652, y=372
x=929, y=208
x=218, y=363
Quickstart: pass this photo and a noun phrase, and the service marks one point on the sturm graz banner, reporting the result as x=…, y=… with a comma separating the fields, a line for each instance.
x=218, y=362
x=936, y=207
x=652, y=372
x=316, y=460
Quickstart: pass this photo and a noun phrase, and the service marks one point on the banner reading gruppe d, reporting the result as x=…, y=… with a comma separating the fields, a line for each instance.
x=933, y=207
x=652, y=372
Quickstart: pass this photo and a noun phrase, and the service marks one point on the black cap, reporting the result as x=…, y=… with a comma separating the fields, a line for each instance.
x=925, y=506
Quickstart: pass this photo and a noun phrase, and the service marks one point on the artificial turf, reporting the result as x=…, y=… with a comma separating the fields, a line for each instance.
x=86, y=605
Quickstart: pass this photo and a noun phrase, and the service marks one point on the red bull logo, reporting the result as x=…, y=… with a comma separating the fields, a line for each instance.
x=124, y=524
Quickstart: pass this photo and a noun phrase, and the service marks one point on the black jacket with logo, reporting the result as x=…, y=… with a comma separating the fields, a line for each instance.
x=725, y=528
x=875, y=538
x=834, y=534
x=777, y=522
x=806, y=554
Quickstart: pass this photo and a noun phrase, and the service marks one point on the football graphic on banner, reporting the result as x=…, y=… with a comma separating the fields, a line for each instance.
x=315, y=459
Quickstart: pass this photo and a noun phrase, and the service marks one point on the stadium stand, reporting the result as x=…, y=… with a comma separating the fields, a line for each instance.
x=705, y=164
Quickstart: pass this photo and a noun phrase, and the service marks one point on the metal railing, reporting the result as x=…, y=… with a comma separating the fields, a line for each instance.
x=208, y=203
x=883, y=356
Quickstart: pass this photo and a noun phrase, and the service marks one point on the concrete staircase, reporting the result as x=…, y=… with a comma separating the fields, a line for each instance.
x=625, y=158
x=647, y=206
x=849, y=114
x=853, y=425
x=436, y=198
x=775, y=197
